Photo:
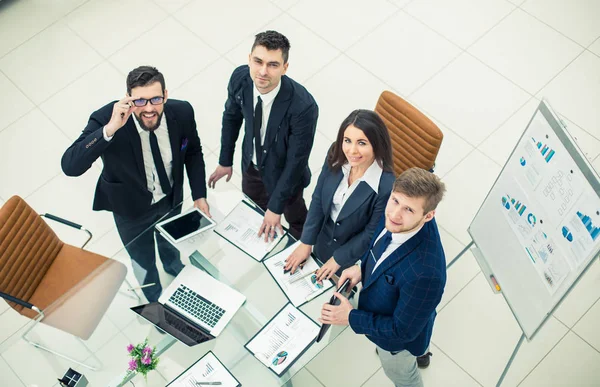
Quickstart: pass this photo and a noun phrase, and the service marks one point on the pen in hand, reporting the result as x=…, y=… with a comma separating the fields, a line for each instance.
x=301, y=277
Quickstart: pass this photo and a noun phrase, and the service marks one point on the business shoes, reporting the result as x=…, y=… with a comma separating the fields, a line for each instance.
x=423, y=361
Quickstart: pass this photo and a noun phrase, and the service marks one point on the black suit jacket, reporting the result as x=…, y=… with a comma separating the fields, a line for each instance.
x=122, y=186
x=288, y=139
x=349, y=236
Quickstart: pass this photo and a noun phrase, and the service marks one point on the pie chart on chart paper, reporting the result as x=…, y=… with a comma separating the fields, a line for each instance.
x=567, y=234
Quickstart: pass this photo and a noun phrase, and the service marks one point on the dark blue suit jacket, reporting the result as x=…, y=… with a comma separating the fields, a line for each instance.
x=353, y=230
x=122, y=186
x=396, y=307
x=288, y=139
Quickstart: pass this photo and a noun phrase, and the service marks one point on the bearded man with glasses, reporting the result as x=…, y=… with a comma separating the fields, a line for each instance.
x=144, y=140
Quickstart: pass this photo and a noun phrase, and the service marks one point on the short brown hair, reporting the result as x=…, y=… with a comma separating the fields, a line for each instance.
x=417, y=182
x=273, y=40
x=144, y=76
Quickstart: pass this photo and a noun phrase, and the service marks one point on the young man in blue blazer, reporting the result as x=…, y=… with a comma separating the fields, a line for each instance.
x=403, y=277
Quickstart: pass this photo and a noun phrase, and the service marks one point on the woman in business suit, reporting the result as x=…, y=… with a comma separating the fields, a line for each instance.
x=350, y=197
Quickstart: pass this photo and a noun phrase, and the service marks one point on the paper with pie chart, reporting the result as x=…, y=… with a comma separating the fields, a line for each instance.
x=284, y=339
x=527, y=222
x=301, y=286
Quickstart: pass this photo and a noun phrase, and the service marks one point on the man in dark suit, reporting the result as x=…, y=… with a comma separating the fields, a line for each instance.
x=144, y=142
x=280, y=119
x=403, y=277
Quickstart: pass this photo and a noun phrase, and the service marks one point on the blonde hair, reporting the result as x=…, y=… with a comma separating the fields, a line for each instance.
x=417, y=182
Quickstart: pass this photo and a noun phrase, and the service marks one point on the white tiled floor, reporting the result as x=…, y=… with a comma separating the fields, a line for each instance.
x=477, y=68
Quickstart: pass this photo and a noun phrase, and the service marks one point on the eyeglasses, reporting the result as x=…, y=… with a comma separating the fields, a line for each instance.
x=153, y=101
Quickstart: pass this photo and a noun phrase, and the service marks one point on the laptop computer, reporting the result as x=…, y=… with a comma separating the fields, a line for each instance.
x=194, y=308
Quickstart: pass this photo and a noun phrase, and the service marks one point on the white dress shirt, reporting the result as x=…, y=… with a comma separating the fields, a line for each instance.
x=371, y=176
x=397, y=241
x=164, y=144
x=267, y=104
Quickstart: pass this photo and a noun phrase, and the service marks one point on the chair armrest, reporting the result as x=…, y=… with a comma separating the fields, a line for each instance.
x=16, y=300
x=70, y=224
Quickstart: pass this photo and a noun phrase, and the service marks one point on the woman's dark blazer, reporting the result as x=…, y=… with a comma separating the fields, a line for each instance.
x=348, y=238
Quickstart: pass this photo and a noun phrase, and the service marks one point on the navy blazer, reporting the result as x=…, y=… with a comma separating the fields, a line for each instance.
x=122, y=186
x=288, y=139
x=355, y=224
x=396, y=307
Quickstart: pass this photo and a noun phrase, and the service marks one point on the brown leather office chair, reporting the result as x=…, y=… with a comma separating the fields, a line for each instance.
x=416, y=140
x=49, y=281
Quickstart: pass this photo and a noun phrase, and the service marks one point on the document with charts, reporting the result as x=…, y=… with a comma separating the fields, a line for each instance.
x=240, y=228
x=207, y=369
x=284, y=339
x=301, y=286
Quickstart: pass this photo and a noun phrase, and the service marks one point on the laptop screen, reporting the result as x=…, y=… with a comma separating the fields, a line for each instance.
x=172, y=323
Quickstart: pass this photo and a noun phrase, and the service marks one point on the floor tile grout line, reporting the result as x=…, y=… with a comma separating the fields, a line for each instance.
x=370, y=31
x=587, y=311
x=12, y=369
x=544, y=356
x=569, y=329
x=142, y=33
x=460, y=291
x=61, y=18
x=343, y=51
x=314, y=376
x=171, y=12
x=372, y=375
x=585, y=341
x=458, y=365
x=33, y=105
x=185, y=27
x=551, y=27
x=505, y=122
x=559, y=73
x=43, y=184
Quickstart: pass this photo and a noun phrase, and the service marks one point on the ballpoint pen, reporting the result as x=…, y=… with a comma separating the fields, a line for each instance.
x=141, y=287
x=208, y=383
x=301, y=277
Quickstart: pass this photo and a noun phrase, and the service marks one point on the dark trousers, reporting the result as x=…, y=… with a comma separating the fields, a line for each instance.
x=295, y=210
x=138, y=236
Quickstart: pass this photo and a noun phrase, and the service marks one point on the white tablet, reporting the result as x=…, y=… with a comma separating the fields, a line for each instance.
x=183, y=226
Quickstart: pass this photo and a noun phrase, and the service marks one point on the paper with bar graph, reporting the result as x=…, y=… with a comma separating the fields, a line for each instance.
x=207, y=369
x=285, y=338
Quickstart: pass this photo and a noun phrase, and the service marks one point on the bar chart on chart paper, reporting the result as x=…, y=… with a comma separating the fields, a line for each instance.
x=208, y=371
x=544, y=149
x=587, y=223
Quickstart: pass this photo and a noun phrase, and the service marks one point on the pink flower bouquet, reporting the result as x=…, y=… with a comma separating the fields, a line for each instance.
x=143, y=359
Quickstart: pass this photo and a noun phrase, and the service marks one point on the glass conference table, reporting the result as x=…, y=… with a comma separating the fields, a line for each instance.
x=223, y=261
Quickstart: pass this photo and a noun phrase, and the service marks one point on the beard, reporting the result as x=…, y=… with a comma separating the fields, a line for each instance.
x=143, y=125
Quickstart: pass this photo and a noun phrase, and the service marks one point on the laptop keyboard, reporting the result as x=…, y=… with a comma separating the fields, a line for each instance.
x=196, y=305
x=185, y=328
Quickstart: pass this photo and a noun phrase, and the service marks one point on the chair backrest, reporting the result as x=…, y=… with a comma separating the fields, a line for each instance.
x=28, y=247
x=416, y=140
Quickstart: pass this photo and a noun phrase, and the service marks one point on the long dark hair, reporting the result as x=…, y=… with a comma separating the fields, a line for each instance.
x=374, y=128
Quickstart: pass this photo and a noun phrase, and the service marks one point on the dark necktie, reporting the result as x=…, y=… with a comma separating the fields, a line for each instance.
x=160, y=166
x=376, y=253
x=258, y=112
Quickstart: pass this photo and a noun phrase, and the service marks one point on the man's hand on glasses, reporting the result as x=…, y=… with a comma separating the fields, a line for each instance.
x=123, y=109
x=121, y=112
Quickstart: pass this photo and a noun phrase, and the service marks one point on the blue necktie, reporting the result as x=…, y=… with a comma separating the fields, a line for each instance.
x=376, y=253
